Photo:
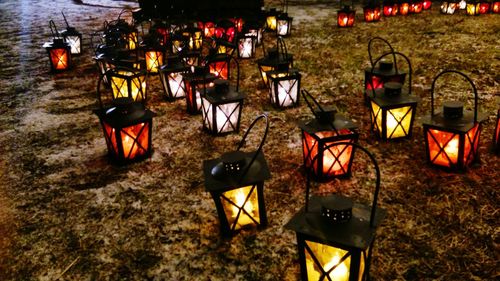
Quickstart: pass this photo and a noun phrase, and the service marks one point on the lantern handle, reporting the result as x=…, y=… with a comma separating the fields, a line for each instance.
x=53, y=29
x=388, y=44
x=281, y=47
x=237, y=73
x=259, y=149
x=306, y=95
x=377, y=173
x=466, y=78
x=126, y=10
x=65, y=20
x=394, y=55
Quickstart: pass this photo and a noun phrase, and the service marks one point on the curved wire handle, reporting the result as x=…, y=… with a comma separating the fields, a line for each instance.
x=305, y=95
x=126, y=10
x=53, y=29
x=466, y=78
x=65, y=20
x=281, y=47
x=259, y=149
x=377, y=172
x=237, y=73
x=388, y=44
x=394, y=55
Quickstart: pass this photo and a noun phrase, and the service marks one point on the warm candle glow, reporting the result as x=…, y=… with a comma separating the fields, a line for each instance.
x=132, y=41
x=74, y=42
x=59, y=58
x=176, y=85
x=287, y=91
x=246, y=48
x=271, y=22
x=462, y=5
x=282, y=27
x=438, y=156
x=154, y=59
x=398, y=122
x=120, y=86
x=251, y=206
x=328, y=257
x=219, y=69
x=134, y=140
x=404, y=8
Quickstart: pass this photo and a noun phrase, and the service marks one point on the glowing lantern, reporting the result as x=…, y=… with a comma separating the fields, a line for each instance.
x=392, y=110
x=72, y=37
x=225, y=30
x=191, y=58
x=161, y=32
x=127, y=128
x=224, y=47
x=59, y=51
x=283, y=25
x=236, y=183
x=452, y=136
x=416, y=6
x=271, y=19
x=196, y=85
x=284, y=86
x=345, y=17
x=484, y=7
x=426, y=4
x=153, y=53
x=449, y=8
x=372, y=12
x=171, y=78
x=221, y=108
x=390, y=8
x=179, y=43
x=327, y=128
x=472, y=9
x=496, y=136
x=208, y=28
x=335, y=235
x=219, y=64
x=194, y=38
x=238, y=23
x=462, y=5
x=404, y=7
x=246, y=46
x=385, y=71
x=495, y=7
x=276, y=57
x=254, y=28
x=127, y=83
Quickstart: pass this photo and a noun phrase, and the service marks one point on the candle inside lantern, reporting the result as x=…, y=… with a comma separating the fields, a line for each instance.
x=132, y=40
x=154, y=60
x=120, y=86
x=59, y=58
x=219, y=69
x=134, y=140
x=237, y=202
x=328, y=257
x=246, y=47
x=176, y=84
x=439, y=152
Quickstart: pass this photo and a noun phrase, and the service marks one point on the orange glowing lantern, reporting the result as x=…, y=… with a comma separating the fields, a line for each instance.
x=276, y=58
x=345, y=16
x=326, y=129
x=372, y=12
x=236, y=182
x=496, y=136
x=208, y=28
x=404, y=7
x=59, y=51
x=335, y=234
x=452, y=136
x=416, y=6
x=194, y=38
x=495, y=7
x=219, y=64
x=127, y=128
x=390, y=8
x=153, y=53
x=196, y=84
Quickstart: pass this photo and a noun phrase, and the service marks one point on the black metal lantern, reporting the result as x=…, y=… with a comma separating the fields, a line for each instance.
x=191, y=58
x=195, y=38
x=327, y=128
x=276, y=57
x=271, y=19
x=72, y=37
x=390, y=8
x=254, y=27
x=126, y=83
x=225, y=30
x=416, y=6
x=219, y=64
x=179, y=43
x=372, y=11
x=127, y=128
x=236, y=182
x=171, y=78
x=392, y=109
x=472, y=8
x=495, y=7
x=346, y=15
x=385, y=71
x=284, y=86
x=59, y=51
x=449, y=7
x=154, y=54
x=246, y=45
x=224, y=47
x=196, y=84
x=335, y=235
x=496, y=136
x=221, y=108
x=452, y=136
x=283, y=25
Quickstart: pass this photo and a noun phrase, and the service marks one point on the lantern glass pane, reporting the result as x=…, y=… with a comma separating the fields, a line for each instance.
x=404, y=8
x=495, y=7
x=176, y=85
x=282, y=27
x=132, y=40
x=120, y=86
x=74, y=42
x=377, y=117
x=219, y=69
x=135, y=140
x=154, y=59
x=109, y=134
x=59, y=58
x=398, y=122
x=443, y=147
x=320, y=259
x=377, y=82
x=263, y=70
x=471, y=144
x=245, y=47
x=226, y=115
x=195, y=40
x=241, y=206
x=471, y=9
x=177, y=46
x=209, y=29
x=284, y=93
x=271, y=22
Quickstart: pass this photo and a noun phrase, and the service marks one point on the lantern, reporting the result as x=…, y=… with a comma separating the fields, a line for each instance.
x=254, y=28
x=452, y=136
x=473, y=9
x=484, y=7
x=385, y=71
x=462, y=5
x=284, y=86
x=72, y=37
x=221, y=108
x=59, y=51
x=208, y=28
x=127, y=128
x=225, y=30
x=404, y=7
x=191, y=58
x=495, y=7
x=236, y=182
x=171, y=78
x=219, y=64
x=271, y=19
x=153, y=53
x=179, y=43
x=276, y=57
x=224, y=47
x=283, y=25
x=196, y=84
x=246, y=46
x=345, y=16
x=371, y=12
x=496, y=136
x=426, y=4
x=238, y=23
x=416, y=6
x=392, y=109
x=390, y=8
x=335, y=235
x=194, y=38
x=327, y=128
x=121, y=34
x=449, y=8
x=161, y=31
x=127, y=83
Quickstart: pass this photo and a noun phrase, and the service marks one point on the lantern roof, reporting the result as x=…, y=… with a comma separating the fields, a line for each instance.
x=199, y=74
x=389, y=96
x=174, y=64
x=56, y=43
x=222, y=92
x=274, y=58
x=124, y=113
x=218, y=178
x=70, y=31
x=338, y=121
x=355, y=233
x=385, y=68
x=461, y=124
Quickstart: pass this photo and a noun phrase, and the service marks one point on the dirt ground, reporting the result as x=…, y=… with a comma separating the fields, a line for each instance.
x=66, y=213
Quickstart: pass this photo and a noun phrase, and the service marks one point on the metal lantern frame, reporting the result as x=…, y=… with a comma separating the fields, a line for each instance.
x=225, y=30
x=382, y=73
x=275, y=58
x=387, y=103
x=284, y=80
x=246, y=40
x=472, y=8
x=346, y=15
x=416, y=6
x=372, y=12
x=196, y=86
x=284, y=24
x=495, y=7
x=271, y=19
x=154, y=55
x=484, y=7
x=128, y=76
x=337, y=223
x=449, y=7
x=171, y=74
x=195, y=38
x=404, y=7
x=72, y=37
x=59, y=52
x=390, y=8
x=244, y=169
x=219, y=64
x=458, y=127
x=339, y=128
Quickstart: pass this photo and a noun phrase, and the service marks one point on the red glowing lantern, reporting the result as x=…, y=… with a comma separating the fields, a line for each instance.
x=238, y=23
x=426, y=4
x=390, y=8
x=208, y=28
x=484, y=7
x=196, y=85
x=219, y=64
x=452, y=136
x=161, y=31
x=404, y=7
x=321, y=133
x=225, y=30
x=59, y=51
x=416, y=6
x=345, y=16
x=372, y=12
x=495, y=7
x=496, y=136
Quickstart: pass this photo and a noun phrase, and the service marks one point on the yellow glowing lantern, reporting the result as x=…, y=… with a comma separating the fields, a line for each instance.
x=472, y=8
x=127, y=83
x=271, y=19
